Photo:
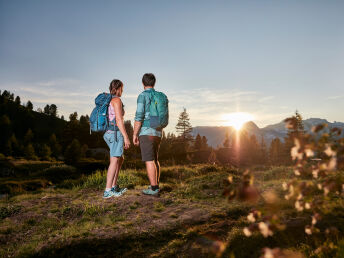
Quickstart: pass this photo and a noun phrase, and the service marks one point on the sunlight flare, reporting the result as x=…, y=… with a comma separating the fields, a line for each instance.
x=237, y=120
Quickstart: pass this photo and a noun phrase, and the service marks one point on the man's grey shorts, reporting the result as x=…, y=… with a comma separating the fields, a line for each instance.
x=149, y=147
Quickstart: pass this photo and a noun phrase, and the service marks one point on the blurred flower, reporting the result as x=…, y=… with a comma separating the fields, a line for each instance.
x=309, y=152
x=329, y=152
x=315, y=173
x=270, y=197
x=251, y=218
x=297, y=172
x=247, y=232
x=295, y=151
x=264, y=229
x=285, y=186
x=308, y=230
x=230, y=179
x=298, y=206
x=326, y=190
x=332, y=164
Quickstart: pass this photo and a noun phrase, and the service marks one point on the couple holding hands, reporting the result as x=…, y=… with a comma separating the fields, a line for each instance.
x=150, y=117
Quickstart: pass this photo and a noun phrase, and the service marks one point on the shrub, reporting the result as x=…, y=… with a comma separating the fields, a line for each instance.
x=73, y=153
x=58, y=173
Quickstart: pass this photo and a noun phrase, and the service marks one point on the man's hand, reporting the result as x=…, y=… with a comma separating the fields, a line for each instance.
x=136, y=140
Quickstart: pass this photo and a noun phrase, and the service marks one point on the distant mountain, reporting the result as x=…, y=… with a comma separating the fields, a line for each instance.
x=216, y=134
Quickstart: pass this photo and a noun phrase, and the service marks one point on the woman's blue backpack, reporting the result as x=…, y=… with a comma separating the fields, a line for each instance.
x=99, y=121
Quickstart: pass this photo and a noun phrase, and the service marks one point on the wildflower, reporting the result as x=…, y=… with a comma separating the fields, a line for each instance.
x=298, y=206
x=247, y=232
x=308, y=230
x=264, y=229
x=251, y=218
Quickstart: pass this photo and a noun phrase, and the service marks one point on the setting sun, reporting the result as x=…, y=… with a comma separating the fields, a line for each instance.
x=237, y=119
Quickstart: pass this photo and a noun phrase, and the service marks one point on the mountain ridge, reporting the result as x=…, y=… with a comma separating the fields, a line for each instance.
x=216, y=134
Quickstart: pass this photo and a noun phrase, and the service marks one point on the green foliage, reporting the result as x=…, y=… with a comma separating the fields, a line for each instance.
x=73, y=152
x=45, y=152
x=9, y=210
x=29, y=152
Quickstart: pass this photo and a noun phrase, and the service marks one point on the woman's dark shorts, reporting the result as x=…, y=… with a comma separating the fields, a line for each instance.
x=149, y=147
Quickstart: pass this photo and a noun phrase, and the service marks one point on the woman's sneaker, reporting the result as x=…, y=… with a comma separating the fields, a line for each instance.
x=117, y=189
x=108, y=194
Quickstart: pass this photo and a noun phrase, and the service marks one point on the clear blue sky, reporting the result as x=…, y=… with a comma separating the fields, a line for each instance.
x=267, y=58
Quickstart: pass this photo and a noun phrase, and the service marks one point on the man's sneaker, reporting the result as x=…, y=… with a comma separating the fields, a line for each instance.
x=117, y=189
x=149, y=191
x=108, y=194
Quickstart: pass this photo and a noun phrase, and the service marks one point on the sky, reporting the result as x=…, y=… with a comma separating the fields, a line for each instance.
x=265, y=58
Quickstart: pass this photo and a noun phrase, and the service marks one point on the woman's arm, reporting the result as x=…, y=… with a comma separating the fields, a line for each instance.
x=117, y=106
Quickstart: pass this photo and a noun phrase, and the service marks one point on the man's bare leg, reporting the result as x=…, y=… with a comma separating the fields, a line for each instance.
x=118, y=168
x=152, y=172
x=158, y=170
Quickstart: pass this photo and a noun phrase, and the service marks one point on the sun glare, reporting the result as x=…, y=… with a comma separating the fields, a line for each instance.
x=237, y=119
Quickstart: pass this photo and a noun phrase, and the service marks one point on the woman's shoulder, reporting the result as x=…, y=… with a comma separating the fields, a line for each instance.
x=116, y=100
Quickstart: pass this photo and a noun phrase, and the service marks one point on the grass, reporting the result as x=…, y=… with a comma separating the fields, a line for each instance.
x=190, y=218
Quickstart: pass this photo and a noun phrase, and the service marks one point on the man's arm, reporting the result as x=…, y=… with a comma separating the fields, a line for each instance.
x=139, y=118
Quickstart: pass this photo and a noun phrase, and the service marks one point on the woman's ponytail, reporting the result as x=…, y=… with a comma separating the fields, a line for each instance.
x=115, y=85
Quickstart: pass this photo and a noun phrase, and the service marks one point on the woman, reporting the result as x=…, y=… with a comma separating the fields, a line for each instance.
x=116, y=138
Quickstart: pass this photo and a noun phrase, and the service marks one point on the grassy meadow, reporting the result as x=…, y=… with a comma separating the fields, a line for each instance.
x=190, y=218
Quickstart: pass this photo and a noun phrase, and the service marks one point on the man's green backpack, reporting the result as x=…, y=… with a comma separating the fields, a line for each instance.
x=158, y=111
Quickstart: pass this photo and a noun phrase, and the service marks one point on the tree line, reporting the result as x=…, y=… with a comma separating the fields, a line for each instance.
x=43, y=135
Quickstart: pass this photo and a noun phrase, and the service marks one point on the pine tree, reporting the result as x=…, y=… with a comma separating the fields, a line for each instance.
x=15, y=146
x=54, y=146
x=275, y=152
x=8, y=148
x=46, y=152
x=30, y=152
x=212, y=157
x=263, y=151
x=73, y=152
x=183, y=126
x=29, y=105
x=198, y=143
x=46, y=110
x=28, y=136
x=53, y=110
x=204, y=143
x=17, y=100
x=226, y=143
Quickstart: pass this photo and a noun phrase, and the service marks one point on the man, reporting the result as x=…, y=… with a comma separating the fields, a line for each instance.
x=148, y=138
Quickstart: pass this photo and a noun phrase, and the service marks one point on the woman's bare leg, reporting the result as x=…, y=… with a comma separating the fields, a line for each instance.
x=118, y=168
x=111, y=171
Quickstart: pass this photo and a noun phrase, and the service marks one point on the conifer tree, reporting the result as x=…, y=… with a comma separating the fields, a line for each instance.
x=46, y=152
x=54, y=146
x=17, y=100
x=275, y=152
x=183, y=126
x=29, y=105
x=28, y=136
x=73, y=152
x=198, y=143
x=30, y=152
x=226, y=143
x=204, y=143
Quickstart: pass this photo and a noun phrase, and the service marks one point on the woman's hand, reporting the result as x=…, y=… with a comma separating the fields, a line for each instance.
x=126, y=143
